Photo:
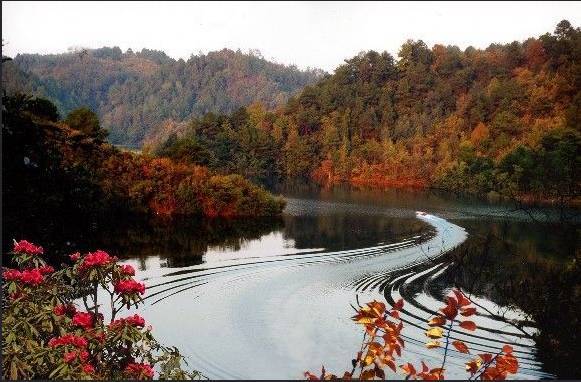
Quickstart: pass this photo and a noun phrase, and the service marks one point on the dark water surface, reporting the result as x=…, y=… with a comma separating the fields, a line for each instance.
x=271, y=298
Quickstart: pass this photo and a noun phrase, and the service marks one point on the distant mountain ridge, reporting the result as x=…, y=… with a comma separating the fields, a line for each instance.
x=140, y=95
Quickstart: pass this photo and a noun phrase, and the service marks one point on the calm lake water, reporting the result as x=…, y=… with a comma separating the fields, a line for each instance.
x=269, y=299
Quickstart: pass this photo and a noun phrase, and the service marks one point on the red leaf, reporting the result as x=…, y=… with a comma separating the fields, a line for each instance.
x=398, y=304
x=507, y=349
x=379, y=373
x=461, y=346
x=391, y=365
x=462, y=300
x=409, y=369
x=486, y=357
x=451, y=309
x=394, y=314
x=311, y=376
x=468, y=325
x=437, y=321
x=467, y=311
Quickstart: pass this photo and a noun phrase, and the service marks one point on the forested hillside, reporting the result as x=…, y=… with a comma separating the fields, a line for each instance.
x=54, y=167
x=139, y=96
x=505, y=118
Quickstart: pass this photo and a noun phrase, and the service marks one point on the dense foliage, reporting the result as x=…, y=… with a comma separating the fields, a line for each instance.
x=383, y=343
x=50, y=167
x=503, y=119
x=139, y=94
x=46, y=336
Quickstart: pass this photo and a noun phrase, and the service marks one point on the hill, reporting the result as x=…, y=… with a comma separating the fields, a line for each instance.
x=141, y=96
x=505, y=119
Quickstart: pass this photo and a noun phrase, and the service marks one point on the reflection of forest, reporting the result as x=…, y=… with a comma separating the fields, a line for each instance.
x=533, y=267
x=342, y=231
x=179, y=242
x=183, y=243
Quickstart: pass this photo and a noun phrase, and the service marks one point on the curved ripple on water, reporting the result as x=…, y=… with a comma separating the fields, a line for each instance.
x=274, y=317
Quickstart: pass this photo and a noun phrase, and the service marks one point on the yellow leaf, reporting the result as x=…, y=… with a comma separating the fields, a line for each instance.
x=368, y=360
x=434, y=333
x=433, y=344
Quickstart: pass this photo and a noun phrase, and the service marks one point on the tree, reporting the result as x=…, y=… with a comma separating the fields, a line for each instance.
x=86, y=121
x=44, y=109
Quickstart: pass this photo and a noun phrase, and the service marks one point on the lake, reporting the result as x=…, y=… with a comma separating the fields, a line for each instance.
x=272, y=298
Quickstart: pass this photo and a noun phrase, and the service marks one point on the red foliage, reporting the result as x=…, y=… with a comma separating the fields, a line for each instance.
x=375, y=357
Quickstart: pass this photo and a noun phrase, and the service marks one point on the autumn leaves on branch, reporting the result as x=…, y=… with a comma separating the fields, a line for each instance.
x=382, y=344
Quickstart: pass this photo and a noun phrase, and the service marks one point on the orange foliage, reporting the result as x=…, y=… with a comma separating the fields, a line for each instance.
x=480, y=133
x=385, y=324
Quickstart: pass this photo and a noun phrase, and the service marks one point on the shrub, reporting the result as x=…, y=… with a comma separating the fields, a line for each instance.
x=45, y=335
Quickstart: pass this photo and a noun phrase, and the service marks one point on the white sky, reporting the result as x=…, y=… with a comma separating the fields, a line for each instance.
x=317, y=35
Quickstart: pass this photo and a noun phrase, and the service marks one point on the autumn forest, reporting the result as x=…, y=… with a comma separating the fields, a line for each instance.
x=440, y=185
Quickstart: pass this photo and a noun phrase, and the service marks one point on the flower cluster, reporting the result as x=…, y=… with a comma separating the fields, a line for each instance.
x=32, y=277
x=75, y=256
x=88, y=368
x=95, y=259
x=127, y=270
x=135, y=320
x=72, y=355
x=84, y=320
x=129, y=287
x=68, y=339
x=81, y=345
x=45, y=270
x=25, y=247
x=61, y=310
x=139, y=371
x=82, y=356
x=11, y=275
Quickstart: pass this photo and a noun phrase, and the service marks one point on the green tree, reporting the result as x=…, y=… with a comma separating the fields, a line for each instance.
x=86, y=121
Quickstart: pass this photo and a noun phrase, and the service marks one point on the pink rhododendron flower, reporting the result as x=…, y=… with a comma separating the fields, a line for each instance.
x=95, y=259
x=68, y=339
x=75, y=256
x=24, y=246
x=84, y=355
x=129, y=286
x=61, y=309
x=70, y=356
x=84, y=320
x=135, y=320
x=127, y=270
x=32, y=277
x=46, y=269
x=88, y=368
x=11, y=275
x=139, y=370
